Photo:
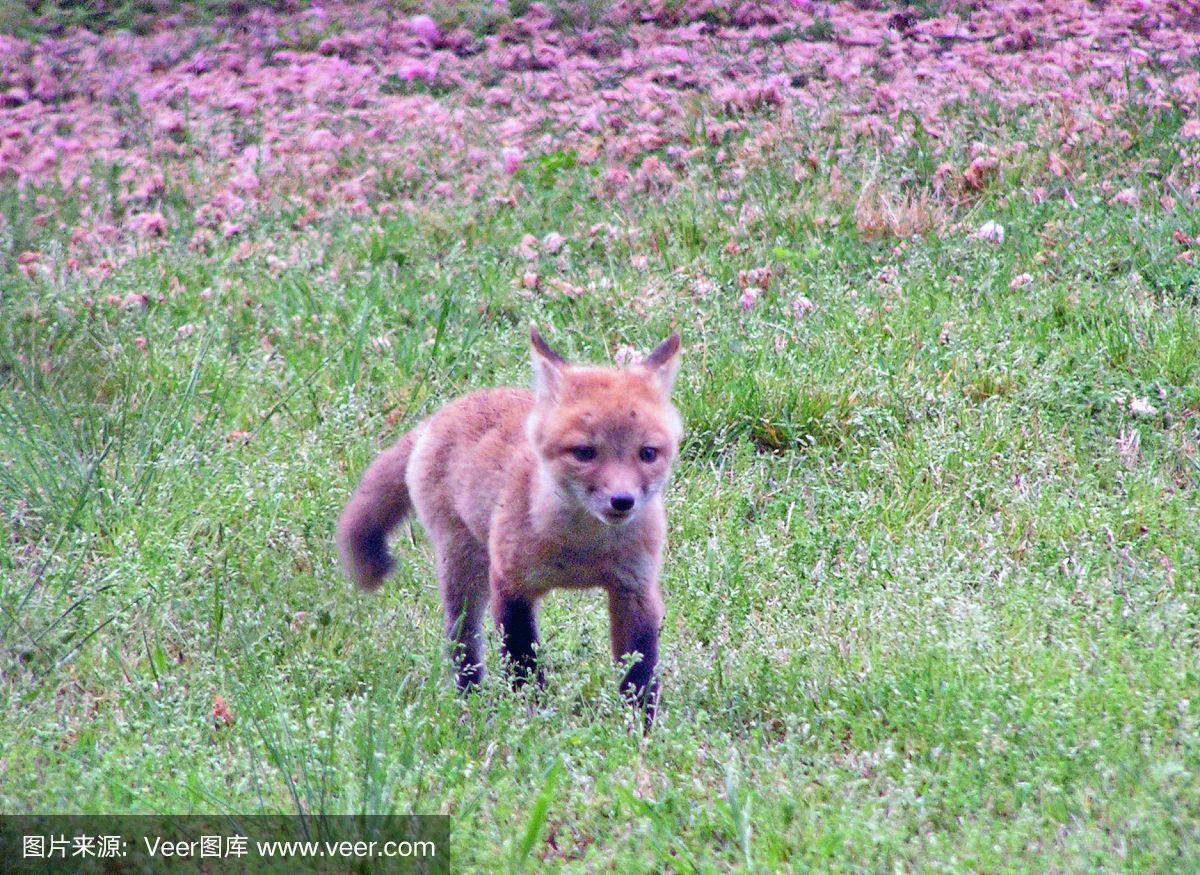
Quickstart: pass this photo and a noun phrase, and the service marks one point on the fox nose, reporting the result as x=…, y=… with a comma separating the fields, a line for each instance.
x=622, y=502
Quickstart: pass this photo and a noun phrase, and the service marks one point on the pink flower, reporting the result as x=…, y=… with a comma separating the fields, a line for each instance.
x=252, y=157
x=411, y=70
x=979, y=171
x=528, y=247
x=512, y=158
x=1126, y=197
x=1141, y=408
x=589, y=121
x=759, y=276
x=992, y=232
x=150, y=186
x=149, y=224
x=245, y=181
x=615, y=177
x=654, y=175
x=43, y=160
x=169, y=121
x=802, y=306
x=241, y=102
x=322, y=140
x=14, y=97
x=425, y=29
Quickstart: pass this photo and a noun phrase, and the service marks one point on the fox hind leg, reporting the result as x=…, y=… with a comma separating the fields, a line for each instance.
x=462, y=576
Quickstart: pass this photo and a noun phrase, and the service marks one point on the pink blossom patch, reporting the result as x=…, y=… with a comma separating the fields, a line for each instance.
x=290, y=108
x=511, y=158
x=149, y=224
x=425, y=29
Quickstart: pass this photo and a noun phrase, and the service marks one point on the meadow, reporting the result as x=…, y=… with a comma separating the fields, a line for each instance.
x=933, y=560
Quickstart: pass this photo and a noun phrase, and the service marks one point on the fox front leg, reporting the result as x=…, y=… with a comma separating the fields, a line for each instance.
x=636, y=616
x=516, y=620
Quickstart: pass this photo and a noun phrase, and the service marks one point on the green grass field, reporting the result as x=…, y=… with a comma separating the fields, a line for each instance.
x=932, y=573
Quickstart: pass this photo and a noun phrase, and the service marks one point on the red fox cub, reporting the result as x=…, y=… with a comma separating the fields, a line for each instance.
x=524, y=492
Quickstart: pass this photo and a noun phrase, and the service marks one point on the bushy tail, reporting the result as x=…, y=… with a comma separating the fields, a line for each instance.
x=380, y=503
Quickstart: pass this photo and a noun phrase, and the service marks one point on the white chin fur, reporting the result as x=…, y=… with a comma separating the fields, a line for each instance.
x=614, y=521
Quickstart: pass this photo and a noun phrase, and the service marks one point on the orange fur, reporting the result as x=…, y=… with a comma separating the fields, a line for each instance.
x=523, y=492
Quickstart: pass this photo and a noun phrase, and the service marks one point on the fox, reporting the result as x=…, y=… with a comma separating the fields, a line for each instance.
x=525, y=491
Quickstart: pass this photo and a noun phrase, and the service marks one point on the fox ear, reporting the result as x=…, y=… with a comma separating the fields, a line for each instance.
x=663, y=363
x=547, y=366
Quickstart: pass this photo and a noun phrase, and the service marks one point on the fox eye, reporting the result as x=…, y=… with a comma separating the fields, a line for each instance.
x=583, y=454
x=648, y=454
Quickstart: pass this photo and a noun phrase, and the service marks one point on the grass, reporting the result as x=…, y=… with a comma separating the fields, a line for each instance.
x=931, y=588
x=37, y=17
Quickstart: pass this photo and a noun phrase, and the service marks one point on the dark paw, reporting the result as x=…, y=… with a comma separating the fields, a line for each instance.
x=468, y=678
x=521, y=674
x=643, y=695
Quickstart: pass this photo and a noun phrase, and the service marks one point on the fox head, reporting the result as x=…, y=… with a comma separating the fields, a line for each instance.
x=605, y=436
